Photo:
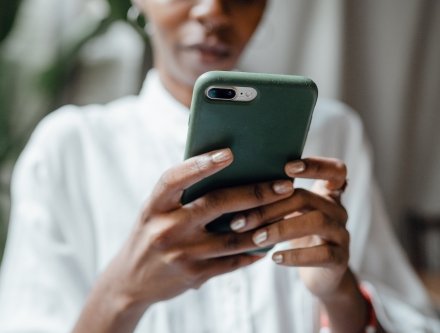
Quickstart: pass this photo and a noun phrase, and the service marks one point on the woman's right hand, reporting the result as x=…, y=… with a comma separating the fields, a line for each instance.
x=169, y=250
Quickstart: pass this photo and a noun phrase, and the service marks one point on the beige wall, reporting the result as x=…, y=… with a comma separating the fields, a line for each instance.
x=382, y=57
x=379, y=56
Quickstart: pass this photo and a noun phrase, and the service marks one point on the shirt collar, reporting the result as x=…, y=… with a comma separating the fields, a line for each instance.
x=154, y=93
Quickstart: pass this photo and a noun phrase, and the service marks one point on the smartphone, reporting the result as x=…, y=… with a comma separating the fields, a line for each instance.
x=263, y=118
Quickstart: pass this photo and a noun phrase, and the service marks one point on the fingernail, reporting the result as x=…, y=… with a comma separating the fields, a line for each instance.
x=260, y=237
x=283, y=187
x=277, y=258
x=238, y=223
x=296, y=167
x=221, y=156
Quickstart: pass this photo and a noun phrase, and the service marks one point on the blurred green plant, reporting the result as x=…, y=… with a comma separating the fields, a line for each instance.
x=52, y=82
x=7, y=17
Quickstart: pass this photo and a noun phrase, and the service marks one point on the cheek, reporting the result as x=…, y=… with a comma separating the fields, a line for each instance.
x=245, y=29
x=166, y=19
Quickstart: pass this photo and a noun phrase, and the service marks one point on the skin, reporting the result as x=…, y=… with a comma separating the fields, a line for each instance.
x=169, y=247
x=193, y=37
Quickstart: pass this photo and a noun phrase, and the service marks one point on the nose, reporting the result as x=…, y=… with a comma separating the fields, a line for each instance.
x=213, y=14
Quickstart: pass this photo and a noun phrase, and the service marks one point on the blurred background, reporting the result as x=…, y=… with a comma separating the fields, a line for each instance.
x=381, y=57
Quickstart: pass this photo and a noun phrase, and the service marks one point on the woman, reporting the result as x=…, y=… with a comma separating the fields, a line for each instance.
x=88, y=252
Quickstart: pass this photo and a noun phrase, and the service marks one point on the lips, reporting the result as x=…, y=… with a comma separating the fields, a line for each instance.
x=210, y=51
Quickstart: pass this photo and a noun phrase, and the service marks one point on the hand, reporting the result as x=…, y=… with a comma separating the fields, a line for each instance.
x=169, y=250
x=312, y=221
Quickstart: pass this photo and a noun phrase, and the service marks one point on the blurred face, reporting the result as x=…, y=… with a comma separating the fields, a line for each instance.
x=191, y=37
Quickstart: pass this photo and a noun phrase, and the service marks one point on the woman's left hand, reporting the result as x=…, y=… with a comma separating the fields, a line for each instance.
x=314, y=222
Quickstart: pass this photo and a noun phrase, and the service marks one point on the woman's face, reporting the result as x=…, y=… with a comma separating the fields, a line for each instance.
x=191, y=37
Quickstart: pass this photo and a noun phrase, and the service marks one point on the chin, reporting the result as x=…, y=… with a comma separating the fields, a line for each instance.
x=196, y=66
x=203, y=68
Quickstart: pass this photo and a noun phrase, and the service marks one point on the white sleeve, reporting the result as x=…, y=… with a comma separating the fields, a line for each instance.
x=47, y=267
x=400, y=301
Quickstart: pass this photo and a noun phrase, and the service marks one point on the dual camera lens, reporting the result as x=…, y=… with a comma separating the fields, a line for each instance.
x=221, y=93
x=236, y=94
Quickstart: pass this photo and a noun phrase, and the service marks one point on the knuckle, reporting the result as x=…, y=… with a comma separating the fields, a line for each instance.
x=301, y=196
x=200, y=164
x=280, y=229
x=345, y=237
x=161, y=239
x=258, y=192
x=235, y=262
x=314, y=166
x=319, y=218
x=213, y=200
x=197, y=283
x=343, y=215
x=257, y=215
x=186, y=216
x=346, y=257
x=145, y=216
x=190, y=271
x=201, y=205
x=341, y=167
x=231, y=242
x=198, y=205
x=167, y=180
x=181, y=259
x=193, y=276
x=328, y=254
x=293, y=257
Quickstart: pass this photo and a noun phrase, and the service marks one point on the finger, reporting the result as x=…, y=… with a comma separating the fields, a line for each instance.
x=214, y=204
x=321, y=187
x=168, y=191
x=220, y=245
x=330, y=169
x=214, y=267
x=325, y=255
x=311, y=223
x=301, y=200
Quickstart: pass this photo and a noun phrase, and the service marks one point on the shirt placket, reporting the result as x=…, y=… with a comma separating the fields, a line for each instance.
x=234, y=297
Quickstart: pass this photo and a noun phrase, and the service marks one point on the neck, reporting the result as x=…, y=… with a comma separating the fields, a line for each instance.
x=181, y=91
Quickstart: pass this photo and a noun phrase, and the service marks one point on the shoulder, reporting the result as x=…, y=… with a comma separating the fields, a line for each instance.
x=72, y=125
x=330, y=113
x=71, y=120
x=336, y=130
x=62, y=139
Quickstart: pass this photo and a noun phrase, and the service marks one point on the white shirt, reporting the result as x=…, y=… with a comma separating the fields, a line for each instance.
x=78, y=189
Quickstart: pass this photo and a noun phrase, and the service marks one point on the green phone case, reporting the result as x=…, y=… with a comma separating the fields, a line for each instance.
x=263, y=134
